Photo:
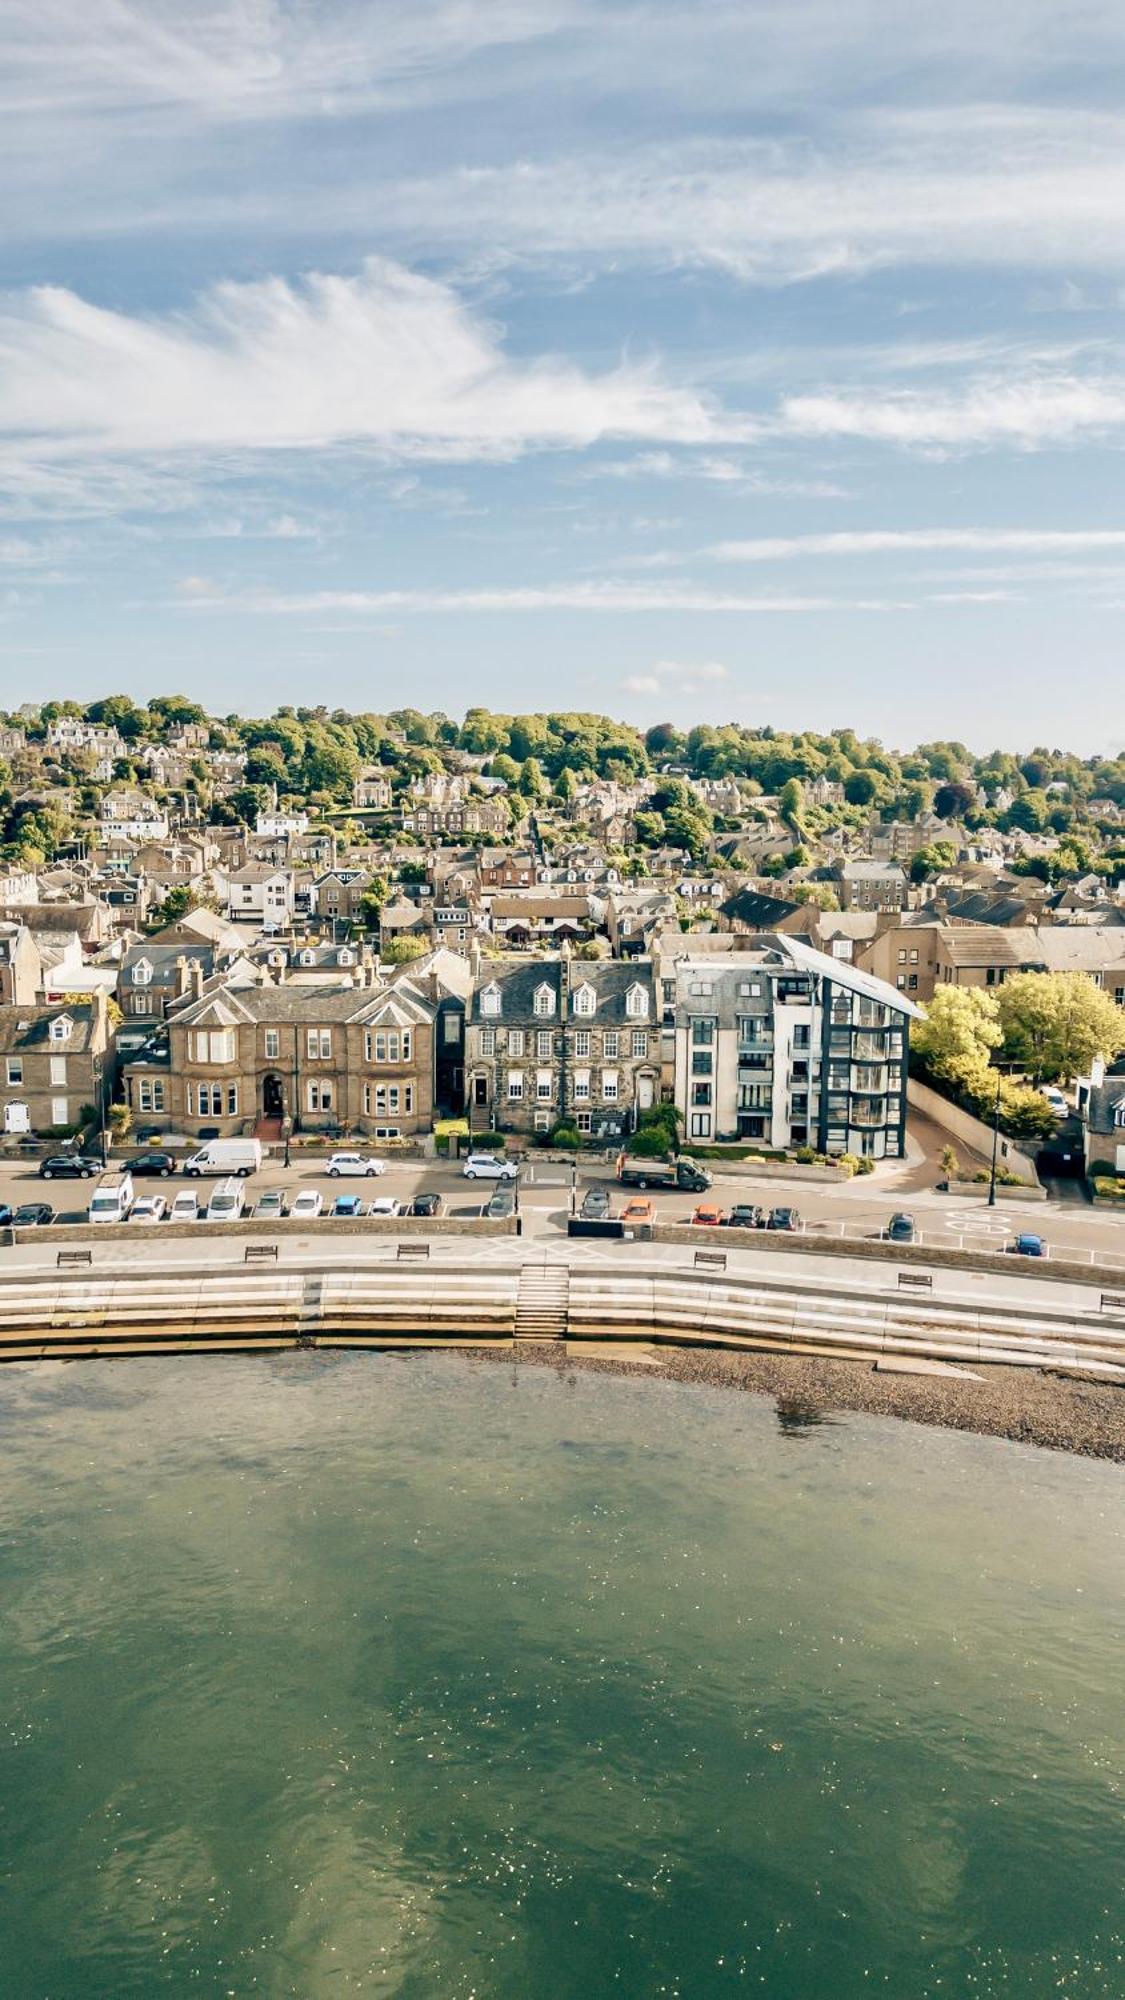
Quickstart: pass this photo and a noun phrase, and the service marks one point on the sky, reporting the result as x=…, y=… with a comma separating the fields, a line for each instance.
x=758, y=362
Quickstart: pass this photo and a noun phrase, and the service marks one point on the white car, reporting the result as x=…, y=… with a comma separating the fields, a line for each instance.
x=385, y=1204
x=153, y=1208
x=185, y=1208
x=486, y=1167
x=309, y=1202
x=355, y=1163
x=1056, y=1100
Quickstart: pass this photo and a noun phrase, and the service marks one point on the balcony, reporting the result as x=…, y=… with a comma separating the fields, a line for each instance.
x=868, y=1114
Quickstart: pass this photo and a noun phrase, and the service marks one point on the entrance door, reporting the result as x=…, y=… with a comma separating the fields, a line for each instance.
x=480, y=1090
x=644, y=1093
x=17, y=1118
x=273, y=1097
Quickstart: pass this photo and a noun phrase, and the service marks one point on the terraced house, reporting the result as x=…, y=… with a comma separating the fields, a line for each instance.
x=561, y=1039
x=314, y=1058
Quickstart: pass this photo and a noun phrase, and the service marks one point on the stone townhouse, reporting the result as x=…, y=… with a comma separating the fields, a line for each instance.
x=561, y=1039
x=783, y=1045
x=52, y=1063
x=242, y=1059
x=21, y=967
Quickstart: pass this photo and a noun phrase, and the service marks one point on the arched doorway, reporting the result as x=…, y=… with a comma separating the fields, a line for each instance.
x=273, y=1096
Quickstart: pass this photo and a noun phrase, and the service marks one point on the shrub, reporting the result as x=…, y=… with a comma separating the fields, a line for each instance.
x=489, y=1142
x=865, y=1165
x=805, y=1156
x=1102, y=1170
x=848, y=1162
x=950, y=1163
x=565, y=1136
x=652, y=1142
x=1110, y=1190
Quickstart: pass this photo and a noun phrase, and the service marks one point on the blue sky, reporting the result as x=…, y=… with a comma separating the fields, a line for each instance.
x=761, y=361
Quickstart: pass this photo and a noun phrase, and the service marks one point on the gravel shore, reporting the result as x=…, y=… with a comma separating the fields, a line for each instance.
x=1030, y=1406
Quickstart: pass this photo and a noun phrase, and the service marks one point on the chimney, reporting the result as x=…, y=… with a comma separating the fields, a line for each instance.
x=183, y=977
x=195, y=978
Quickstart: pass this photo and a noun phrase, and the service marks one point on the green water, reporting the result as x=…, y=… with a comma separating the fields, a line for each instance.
x=323, y=1676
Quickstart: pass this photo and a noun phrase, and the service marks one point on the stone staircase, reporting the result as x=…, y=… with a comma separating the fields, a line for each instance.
x=542, y=1305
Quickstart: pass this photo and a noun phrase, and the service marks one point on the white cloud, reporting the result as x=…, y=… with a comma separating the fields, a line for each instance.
x=1029, y=414
x=384, y=359
x=892, y=541
x=610, y=595
x=640, y=684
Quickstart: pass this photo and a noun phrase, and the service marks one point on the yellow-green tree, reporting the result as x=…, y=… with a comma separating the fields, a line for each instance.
x=1055, y=1023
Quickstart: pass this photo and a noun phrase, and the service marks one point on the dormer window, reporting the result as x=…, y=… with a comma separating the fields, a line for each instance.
x=1119, y=1112
x=490, y=1001
x=277, y=958
x=544, y=1000
x=585, y=1000
x=142, y=973
x=344, y=958
x=636, y=1003
x=61, y=1028
x=308, y=958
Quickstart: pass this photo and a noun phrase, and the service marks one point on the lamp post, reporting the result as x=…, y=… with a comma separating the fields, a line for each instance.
x=99, y=1092
x=995, y=1145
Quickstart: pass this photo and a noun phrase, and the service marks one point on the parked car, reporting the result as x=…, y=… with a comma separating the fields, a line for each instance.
x=385, y=1204
x=708, y=1216
x=638, y=1210
x=1054, y=1097
x=112, y=1198
x=746, y=1215
x=30, y=1214
x=185, y=1207
x=271, y=1205
x=69, y=1166
x=783, y=1218
x=501, y=1203
x=900, y=1228
x=151, y=1208
x=6, y=1214
x=1029, y=1245
x=595, y=1205
x=489, y=1167
x=155, y=1163
x=228, y=1200
x=347, y=1207
x=309, y=1202
x=428, y=1204
x=355, y=1163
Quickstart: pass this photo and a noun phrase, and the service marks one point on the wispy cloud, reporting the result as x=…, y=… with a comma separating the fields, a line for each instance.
x=912, y=541
x=385, y=359
x=1028, y=414
x=609, y=595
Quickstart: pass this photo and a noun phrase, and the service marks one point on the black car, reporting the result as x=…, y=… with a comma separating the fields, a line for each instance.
x=900, y=1228
x=154, y=1163
x=746, y=1215
x=783, y=1218
x=595, y=1205
x=6, y=1213
x=428, y=1204
x=31, y=1213
x=69, y=1166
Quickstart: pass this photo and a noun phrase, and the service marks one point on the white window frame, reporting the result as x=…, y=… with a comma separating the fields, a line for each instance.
x=544, y=1044
x=636, y=1003
x=58, y=1075
x=640, y=1044
x=543, y=1005
x=490, y=1001
x=515, y=1086
x=272, y=1043
x=582, y=1043
x=488, y=1041
x=611, y=1044
x=585, y=1001
x=544, y=1086
x=581, y=1085
x=611, y=1086
x=516, y=1040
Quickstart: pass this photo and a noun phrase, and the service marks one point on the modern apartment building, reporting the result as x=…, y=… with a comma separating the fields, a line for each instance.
x=785, y=1046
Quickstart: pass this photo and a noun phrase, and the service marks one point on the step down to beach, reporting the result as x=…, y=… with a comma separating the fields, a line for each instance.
x=543, y=1302
x=909, y=1364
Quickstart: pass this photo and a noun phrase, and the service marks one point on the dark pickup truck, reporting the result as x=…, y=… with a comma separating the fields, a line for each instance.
x=643, y=1173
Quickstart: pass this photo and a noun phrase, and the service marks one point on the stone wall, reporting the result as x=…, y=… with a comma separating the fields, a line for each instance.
x=969, y=1131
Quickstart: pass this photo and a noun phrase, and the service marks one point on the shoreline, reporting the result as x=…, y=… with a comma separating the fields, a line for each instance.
x=1054, y=1411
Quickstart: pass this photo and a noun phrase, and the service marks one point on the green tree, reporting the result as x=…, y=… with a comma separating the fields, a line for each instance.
x=956, y=1039
x=1055, y=1023
x=178, y=903
x=403, y=950
x=791, y=802
x=861, y=789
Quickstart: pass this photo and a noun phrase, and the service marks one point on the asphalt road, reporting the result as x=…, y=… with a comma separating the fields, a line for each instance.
x=857, y=1209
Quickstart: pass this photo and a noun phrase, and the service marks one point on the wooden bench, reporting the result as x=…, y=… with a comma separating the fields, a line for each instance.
x=1113, y=1302
x=260, y=1253
x=413, y=1250
x=67, y=1259
x=920, y=1281
x=710, y=1260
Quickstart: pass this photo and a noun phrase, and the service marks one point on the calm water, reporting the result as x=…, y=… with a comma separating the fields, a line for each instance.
x=328, y=1676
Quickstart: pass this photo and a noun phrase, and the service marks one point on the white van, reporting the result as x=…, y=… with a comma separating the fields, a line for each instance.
x=227, y=1202
x=185, y=1208
x=226, y=1156
x=112, y=1198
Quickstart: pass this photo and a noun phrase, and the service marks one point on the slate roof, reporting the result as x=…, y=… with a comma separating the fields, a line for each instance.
x=23, y=1029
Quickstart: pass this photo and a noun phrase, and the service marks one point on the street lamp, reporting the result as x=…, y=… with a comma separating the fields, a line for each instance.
x=99, y=1094
x=995, y=1145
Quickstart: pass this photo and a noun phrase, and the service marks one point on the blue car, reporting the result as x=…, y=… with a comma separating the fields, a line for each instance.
x=348, y=1205
x=1027, y=1245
